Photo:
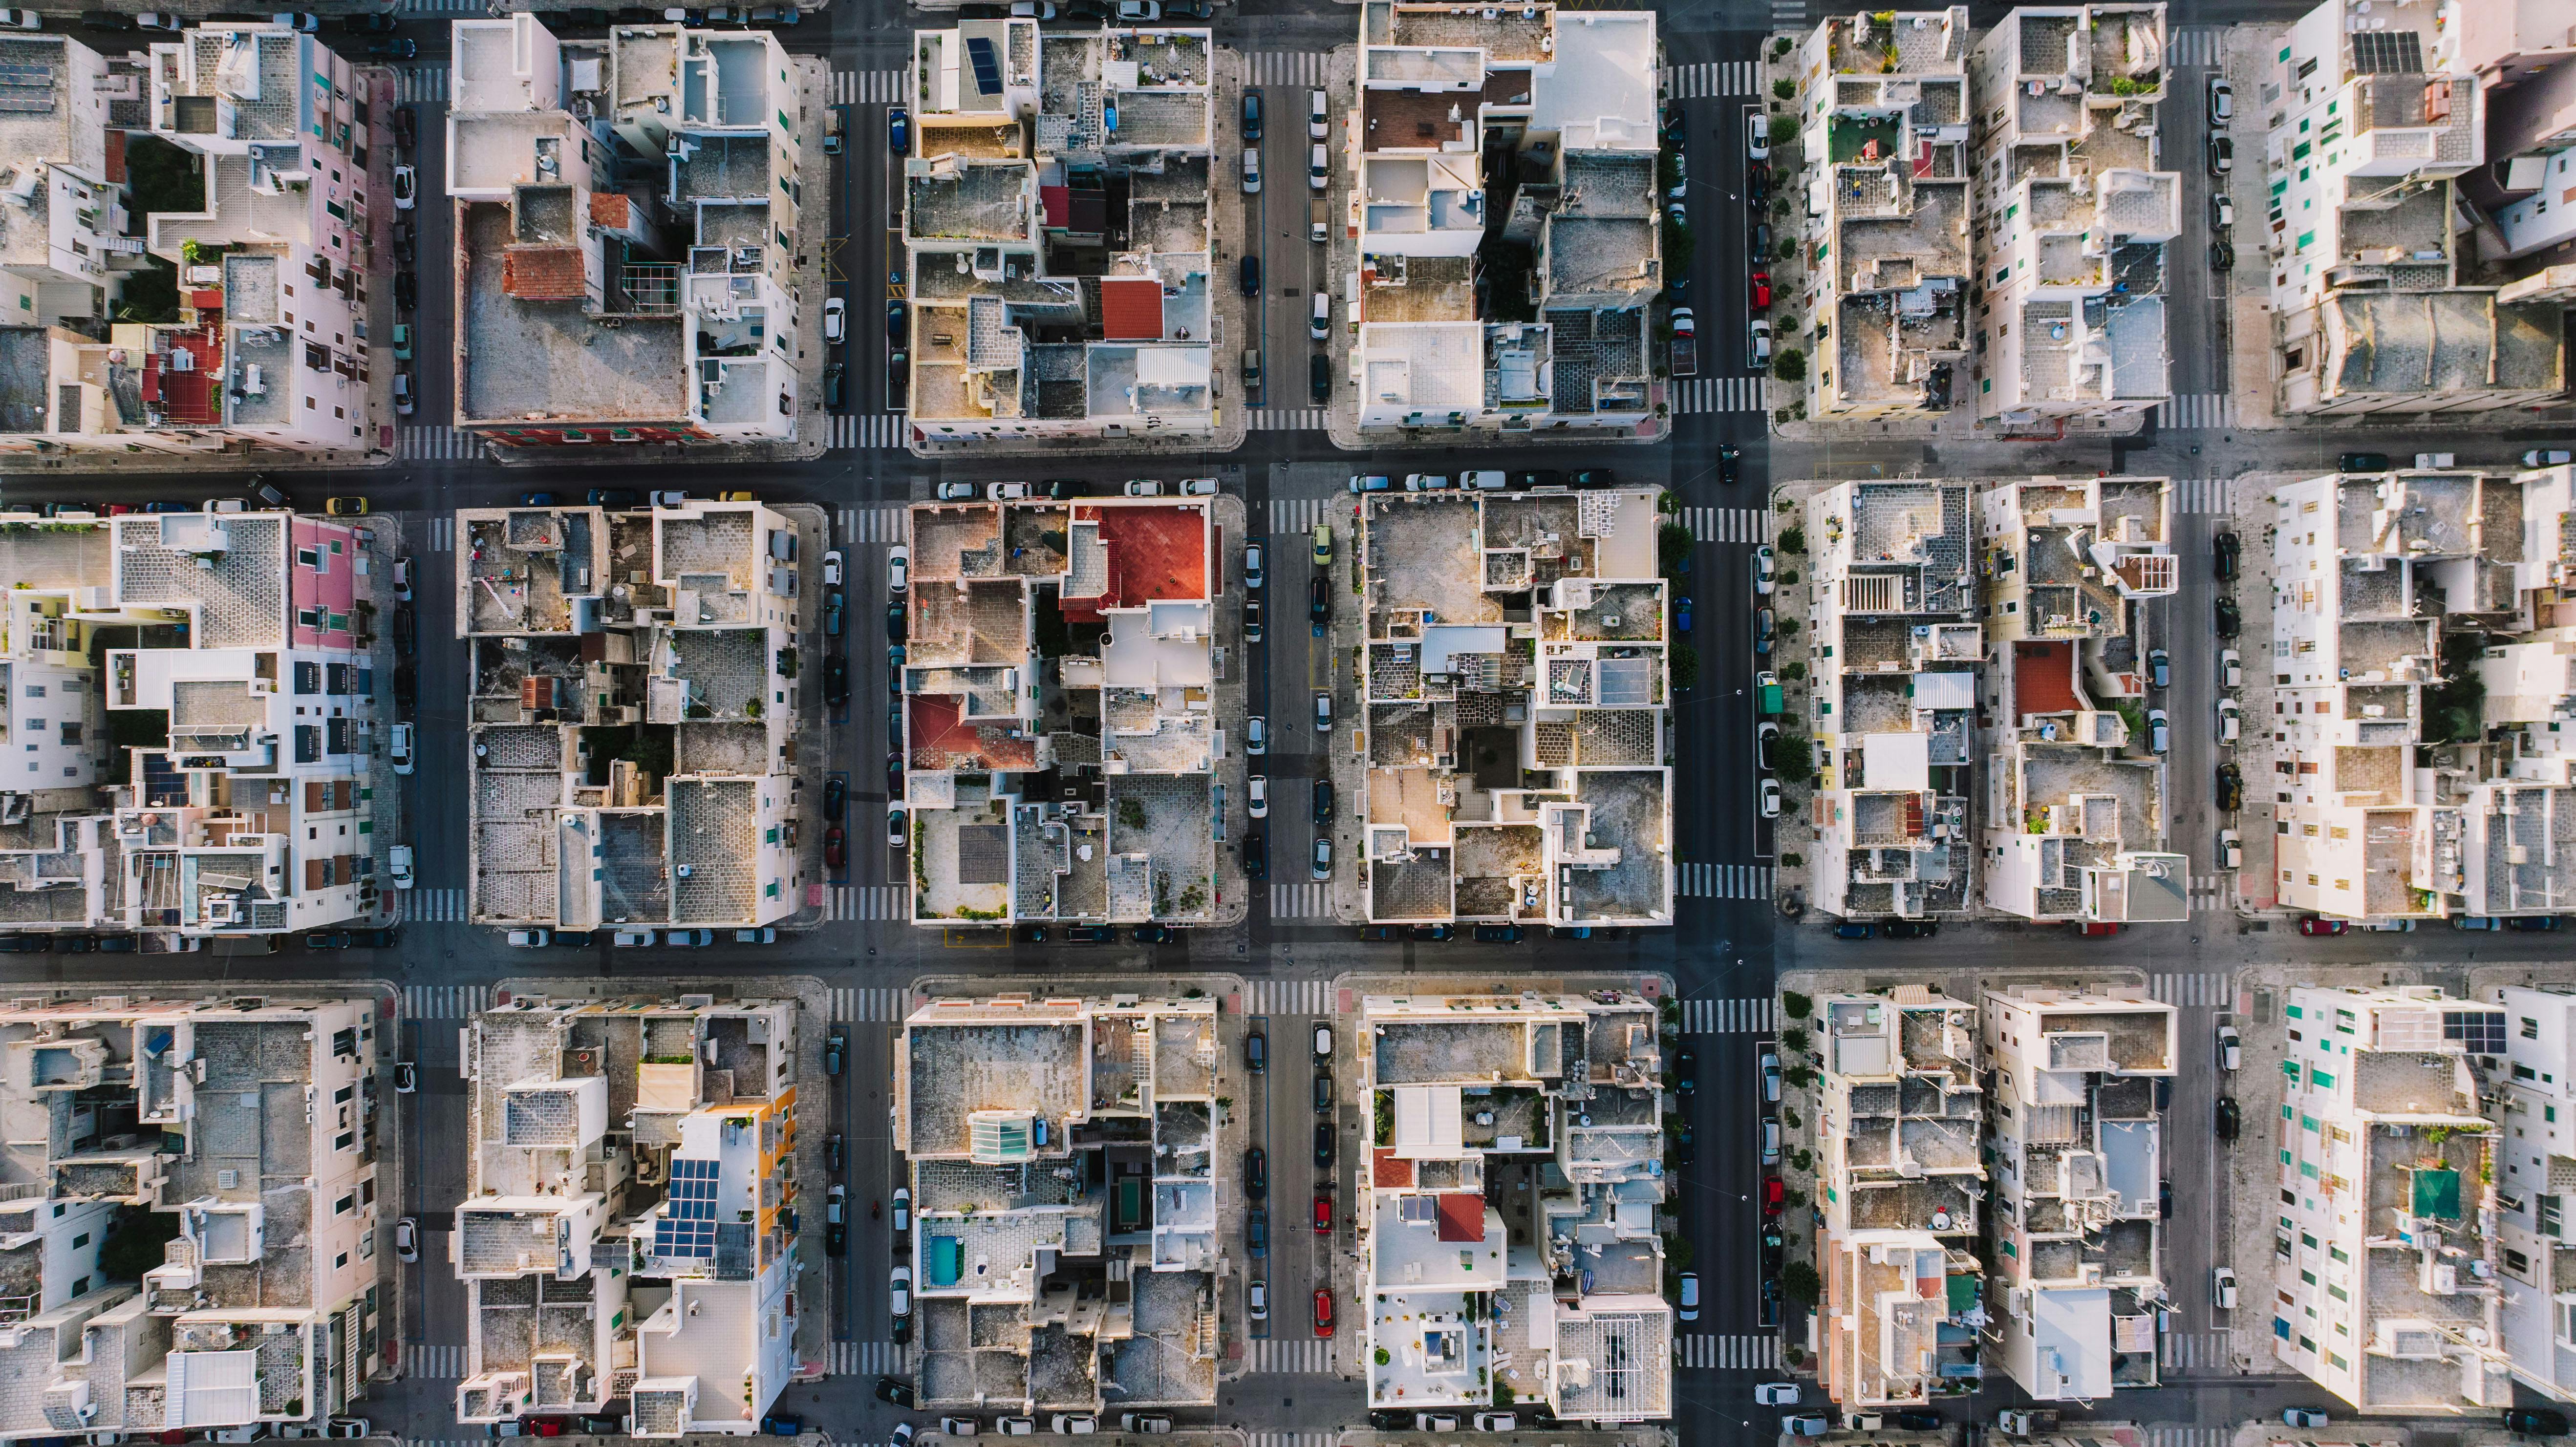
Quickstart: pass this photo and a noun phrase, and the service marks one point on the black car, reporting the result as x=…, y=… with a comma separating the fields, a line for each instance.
x=1091, y=934
x=2231, y=787
x=835, y=386
x=832, y=1153
x=536, y=499
x=1249, y=273
x=2164, y=1199
x=1256, y=1232
x=1323, y=803
x=1498, y=934
x=1686, y=1070
x=1323, y=1140
x=1757, y=242
x=2229, y=619
x=1323, y=1091
x=406, y=127
x=1256, y=1174
x=406, y=685
x=406, y=630
x=1593, y=477
x=1382, y=1420
x=376, y=23
x=1030, y=934
x=2536, y=1422
x=1909, y=929
x=1256, y=856
x=76, y=944
x=895, y=1390
x=1685, y=1140
x=894, y=323
x=1381, y=932
x=894, y=761
x=2361, y=462
x=2230, y=1120
x=1545, y=477
x=1319, y=603
x=836, y=797
x=614, y=497
x=407, y=291
x=1919, y=1421
x=897, y=624
x=1319, y=378
x=106, y=20
x=1728, y=456
x=836, y=680
x=2223, y=550
x=1251, y=114
x=401, y=47
x=321, y=940
x=1153, y=934
x=1757, y=185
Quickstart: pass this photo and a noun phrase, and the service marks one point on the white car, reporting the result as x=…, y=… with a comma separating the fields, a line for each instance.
x=632, y=937
x=1770, y=1140
x=1145, y=1423
x=400, y=862
x=2231, y=849
x=899, y=1292
x=398, y=747
x=2302, y=1417
x=1757, y=350
x=836, y=320
x=958, y=1426
x=1434, y=1422
x=2159, y=731
x=2231, y=669
x=1323, y=1042
x=1483, y=481
x=1016, y=1426
x=1497, y=1421
x=1323, y=711
x=2231, y=1048
x=1005, y=491
x=689, y=939
x=1319, y=167
x=20, y=20
x=1032, y=9
x=1256, y=735
x=1319, y=125
x=765, y=935
x=1198, y=487
x=2222, y=1288
x=834, y=562
x=1320, y=326
x=1140, y=9
x=1144, y=487
x=1757, y=135
x=2231, y=720
x=898, y=569
x=1763, y=572
x=406, y=188
x=1690, y=1296
x=1256, y=796
x=1252, y=577
x=1077, y=1424
x=530, y=939
x=956, y=492
x=1768, y=1064
x=2546, y=457
x=402, y=580
x=1424, y=482
x=1256, y=1301
x=1252, y=170
x=1770, y=798
x=1796, y=1426
x=2222, y=102
x=407, y=1239
x=1776, y=1394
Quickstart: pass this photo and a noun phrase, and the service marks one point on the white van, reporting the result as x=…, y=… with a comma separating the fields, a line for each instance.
x=1322, y=325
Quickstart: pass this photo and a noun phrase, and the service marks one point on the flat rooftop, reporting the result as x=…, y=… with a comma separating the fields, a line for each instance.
x=552, y=360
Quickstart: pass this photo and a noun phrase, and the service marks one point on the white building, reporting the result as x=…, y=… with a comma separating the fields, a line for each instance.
x=2533, y=1103
x=2074, y=210
x=648, y=1255
x=62, y=222
x=1896, y=643
x=2078, y=1146
x=2386, y=1260
x=1551, y=1104
x=2075, y=813
x=1572, y=94
x=592, y=309
x=248, y=1124
x=1057, y=234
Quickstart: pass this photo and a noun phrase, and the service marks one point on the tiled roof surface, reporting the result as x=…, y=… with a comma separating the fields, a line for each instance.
x=1131, y=310
x=542, y=273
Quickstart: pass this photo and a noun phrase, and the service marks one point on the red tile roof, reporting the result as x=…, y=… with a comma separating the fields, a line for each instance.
x=2043, y=678
x=1131, y=309
x=543, y=273
x=1388, y=1169
x=1155, y=553
x=1462, y=1217
x=610, y=208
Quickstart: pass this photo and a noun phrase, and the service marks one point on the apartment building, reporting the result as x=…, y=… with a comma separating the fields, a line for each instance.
x=2367, y=833
x=2075, y=789
x=1885, y=120
x=2530, y=102
x=2527, y=1100
x=628, y=217
x=2361, y=163
x=1066, y=1247
x=1056, y=229
x=1562, y=104
x=2078, y=1146
x=1515, y=709
x=268, y=346
x=632, y=716
x=234, y=1138
x=217, y=781
x=2385, y=1267
x=1506, y=1208
x=1899, y=1180
x=1894, y=657
x=1060, y=730
x=2074, y=209
x=628, y=1228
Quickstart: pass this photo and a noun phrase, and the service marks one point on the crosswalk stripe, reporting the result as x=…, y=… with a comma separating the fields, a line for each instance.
x=435, y=444
x=1728, y=1017
x=1713, y=78
x=2190, y=1351
x=1290, y=67
x=433, y=906
x=1788, y=15
x=1290, y=997
x=2203, y=989
x=1724, y=524
x=852, y=431
x=1297, y=516
x=434, y=1363
x=1301, y=901
x=1287, y=419
x=444, y=1002
x=424, y=82
x=866, y=902
x=1729, y=1351
x=861, y=1004
x=2196, y=411
x=1291, y=1354
x=872, y=525
x=1725, y=881
x=867, y=87
x=2199, y=45
x=1719, y=394
x=867, y=1358
x=1291, y=1439
x=2205, y=495
x=2213, y=891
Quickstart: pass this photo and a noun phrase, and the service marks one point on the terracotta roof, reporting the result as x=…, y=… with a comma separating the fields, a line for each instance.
x=1389, y=1170
x=543, y=273
x=1462, y=1217
x=610, y=208
x=1131, y=309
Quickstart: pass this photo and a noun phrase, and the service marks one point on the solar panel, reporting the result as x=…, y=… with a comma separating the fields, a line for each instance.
x=2480, y=1032
x=988, y=69
x=2387, y=52
x=688, y=1225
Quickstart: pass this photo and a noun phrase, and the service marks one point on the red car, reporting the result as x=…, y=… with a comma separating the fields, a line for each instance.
x=833, y=846
x=2320, y=925
x=1323, y=1213
x=545, y=1427
x=2095, y=930
x=1761, y=291
x=1774, y=1196
x=1323, y=1312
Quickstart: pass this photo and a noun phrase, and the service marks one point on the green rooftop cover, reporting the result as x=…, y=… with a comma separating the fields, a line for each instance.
x=1963, y=1292
x=2437, y=1194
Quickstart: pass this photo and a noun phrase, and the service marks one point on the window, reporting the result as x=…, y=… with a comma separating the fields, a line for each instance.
x=344, y=1206
x=2515, y=1261
x=2549, y=1216
x=80, y=1240
x=343, y=1141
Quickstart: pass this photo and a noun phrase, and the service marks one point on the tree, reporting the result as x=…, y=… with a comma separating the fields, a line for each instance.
x=1795, y=1005
x=1792, y=540
x=1784, y=129
x=1794, y=1040
x=1784, y=88
x=1792, y=671
x=1685, y=665
x=1799, y=1283
x=1789, y=365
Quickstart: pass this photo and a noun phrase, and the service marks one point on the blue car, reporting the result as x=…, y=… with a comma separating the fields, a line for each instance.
x=899, y=131
x=1681, y=613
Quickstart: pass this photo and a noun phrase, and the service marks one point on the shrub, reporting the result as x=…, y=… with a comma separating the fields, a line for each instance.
x=1791, y=672
x=1799, y=1283
x=1794, y=760
x=1784, y=88
x=1794, y=1039
x=1780, y=47
x=1784, y=129
x=1789, y=365
x=1796, y=1077
x=1685, y=662
x=1795, y=1005
x=1793, y=860
x=1792, y=540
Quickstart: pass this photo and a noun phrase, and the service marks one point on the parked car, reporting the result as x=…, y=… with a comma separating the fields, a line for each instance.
x=2546, y=457
x=2231, y=849
x=2303, y=1417
x=1323, y=1144
x=2231, y=1049
x=2229, y=619
x=1690, y=1296
x=2222, y=155
x=1767, y=1067
x=2231, y=788
x=406, y=188
x=407, y=1239
x=1251, y=169
x=2361, y=462
x=2222, y=102
x=2536, y=1422
x=2223, y=550
x=2228, y=1119
x=2318, y=926
x=1318, y=121
x=1251, y=114
x=1757, y=135
x=1776, y=1394
x=1323, y=1311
